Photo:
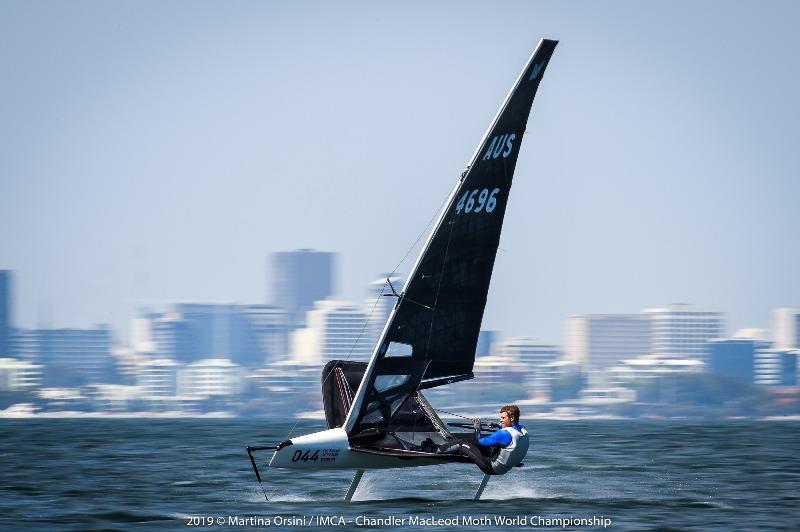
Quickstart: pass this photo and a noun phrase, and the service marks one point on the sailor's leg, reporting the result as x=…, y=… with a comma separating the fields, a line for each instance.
x=482, y=486
x=473, y=451
x=450, y=447
x=354, y=485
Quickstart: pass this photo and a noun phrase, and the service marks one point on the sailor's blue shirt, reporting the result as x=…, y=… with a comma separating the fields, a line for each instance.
x=500, y=437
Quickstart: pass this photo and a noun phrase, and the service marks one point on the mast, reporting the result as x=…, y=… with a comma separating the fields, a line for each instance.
x=431, y=334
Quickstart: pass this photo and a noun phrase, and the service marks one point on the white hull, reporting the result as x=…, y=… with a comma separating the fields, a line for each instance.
x=329, y=449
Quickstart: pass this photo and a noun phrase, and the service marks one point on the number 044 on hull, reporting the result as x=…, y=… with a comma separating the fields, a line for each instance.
x=376, y=412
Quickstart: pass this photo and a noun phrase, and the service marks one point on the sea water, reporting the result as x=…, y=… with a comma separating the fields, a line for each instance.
x=84, y=474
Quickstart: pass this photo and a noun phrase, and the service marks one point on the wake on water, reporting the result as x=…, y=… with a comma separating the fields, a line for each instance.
x=512, y=487
x=378, y=486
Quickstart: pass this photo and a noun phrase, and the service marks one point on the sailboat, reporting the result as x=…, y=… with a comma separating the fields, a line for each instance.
x=376, y=413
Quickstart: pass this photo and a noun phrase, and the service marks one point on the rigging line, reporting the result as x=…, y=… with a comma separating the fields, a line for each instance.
x=451, y=413
x=401, y=296
x=423, y=233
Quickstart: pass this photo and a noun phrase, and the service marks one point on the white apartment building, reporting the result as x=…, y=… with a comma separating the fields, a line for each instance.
x=786, y=328
x=19, y=375
x=336, y=329
x=210, y=377
x=158, y=377
x=682, y=331
x=601, y=340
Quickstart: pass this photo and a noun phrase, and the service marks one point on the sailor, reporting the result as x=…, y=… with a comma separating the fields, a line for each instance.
x=512, y=439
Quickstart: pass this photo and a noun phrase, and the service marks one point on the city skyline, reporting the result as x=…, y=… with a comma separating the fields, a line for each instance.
x=205, y=357
x=698, y=324
x=659, y=164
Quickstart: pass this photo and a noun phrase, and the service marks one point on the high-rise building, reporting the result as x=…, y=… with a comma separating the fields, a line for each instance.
x=786, y=328
x=682, y=331
x=73, y=357
x=777, y=367
x=250, y=335
x=734, y=357
x=298, y=279
x=6, y=304
x=261, y=335
x=171, y=337
x=336, y=329
x=209, y=329
x=602, y=340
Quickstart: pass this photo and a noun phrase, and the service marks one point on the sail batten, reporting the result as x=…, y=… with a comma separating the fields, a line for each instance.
x=439, y=313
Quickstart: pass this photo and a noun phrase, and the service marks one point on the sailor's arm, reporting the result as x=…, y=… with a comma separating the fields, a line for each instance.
x=500, y=437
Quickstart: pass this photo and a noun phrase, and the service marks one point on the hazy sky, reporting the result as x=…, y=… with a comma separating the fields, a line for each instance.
x=157, y=151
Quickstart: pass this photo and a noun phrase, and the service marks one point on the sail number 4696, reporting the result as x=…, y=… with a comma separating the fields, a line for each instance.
x=477, y=200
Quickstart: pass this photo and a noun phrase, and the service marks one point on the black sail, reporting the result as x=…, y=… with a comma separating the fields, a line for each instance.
x=432, y=334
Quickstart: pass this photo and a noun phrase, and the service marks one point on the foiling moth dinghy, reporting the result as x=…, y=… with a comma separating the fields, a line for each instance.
x=376, y=413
